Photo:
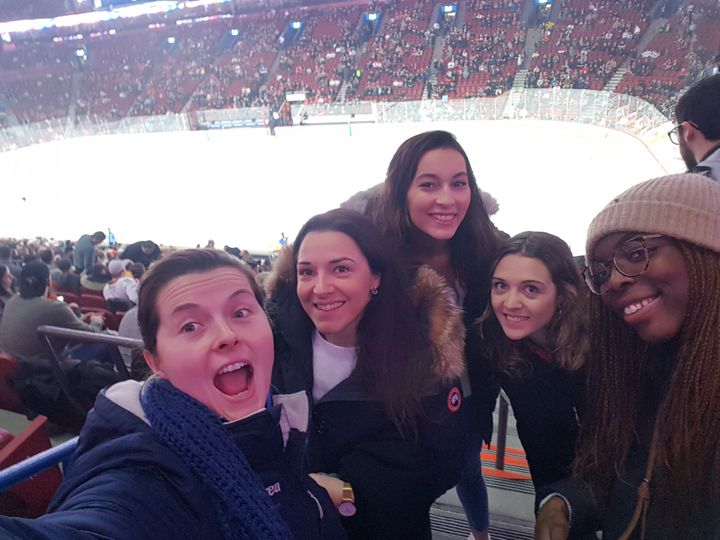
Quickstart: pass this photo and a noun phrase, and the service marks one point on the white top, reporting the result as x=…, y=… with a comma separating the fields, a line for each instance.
x=332, y=364
x=123, y=289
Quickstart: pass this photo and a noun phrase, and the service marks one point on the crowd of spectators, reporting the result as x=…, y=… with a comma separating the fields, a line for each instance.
x=237, y=75
x=110, y=269
x=663, y=67
x=585, y=47
x=251, y=57
x=36, y=79
x=480, y=58
x=394, y=66
x=322, y=57
x=182, y=63
x=114, y=75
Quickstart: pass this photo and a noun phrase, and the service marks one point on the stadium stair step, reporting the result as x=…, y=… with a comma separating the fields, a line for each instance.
x=519, y=80
x=556, y=10
x=511, y=495
x=449, y=523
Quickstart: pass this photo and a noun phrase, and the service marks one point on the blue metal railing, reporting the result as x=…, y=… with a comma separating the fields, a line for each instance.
x=18, y=473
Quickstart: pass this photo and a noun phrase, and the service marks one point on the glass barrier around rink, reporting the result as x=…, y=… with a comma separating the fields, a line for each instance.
x=622, y=112
x=220, y=118
x=616, y=111
x=88, y=126
x=443, y=110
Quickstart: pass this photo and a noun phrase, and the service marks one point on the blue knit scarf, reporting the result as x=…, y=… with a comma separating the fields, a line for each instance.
x=197, y=435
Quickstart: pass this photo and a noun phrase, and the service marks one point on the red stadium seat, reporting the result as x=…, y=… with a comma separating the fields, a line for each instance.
x=69, y=297
x=93, y=301
x=101, y=310
x=114, y=322
x=31, y=498
x=9, y=398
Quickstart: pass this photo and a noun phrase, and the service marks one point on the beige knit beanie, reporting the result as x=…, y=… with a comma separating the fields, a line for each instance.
x=683, y=206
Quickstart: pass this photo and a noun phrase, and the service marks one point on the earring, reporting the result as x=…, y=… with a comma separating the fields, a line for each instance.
x=374, y=291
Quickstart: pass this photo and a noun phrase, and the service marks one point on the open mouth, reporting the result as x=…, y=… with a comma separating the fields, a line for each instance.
x=515, y=318
x=234, y=378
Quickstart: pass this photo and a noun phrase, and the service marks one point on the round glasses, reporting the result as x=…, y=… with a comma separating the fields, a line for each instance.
x=630, y=259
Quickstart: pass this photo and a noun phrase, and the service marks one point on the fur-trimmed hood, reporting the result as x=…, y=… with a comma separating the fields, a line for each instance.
x=431, y=297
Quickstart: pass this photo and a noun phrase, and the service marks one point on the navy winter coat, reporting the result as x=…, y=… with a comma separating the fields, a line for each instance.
x=125, y=483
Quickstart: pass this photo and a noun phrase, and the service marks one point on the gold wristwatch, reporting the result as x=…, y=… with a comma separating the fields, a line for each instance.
x=347, y=502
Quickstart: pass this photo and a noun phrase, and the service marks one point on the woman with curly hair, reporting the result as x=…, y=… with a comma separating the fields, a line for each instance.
x=535, y=330
x=647, y=463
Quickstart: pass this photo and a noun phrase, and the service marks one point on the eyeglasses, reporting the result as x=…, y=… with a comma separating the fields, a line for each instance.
x=631, y=259
x=674, y=133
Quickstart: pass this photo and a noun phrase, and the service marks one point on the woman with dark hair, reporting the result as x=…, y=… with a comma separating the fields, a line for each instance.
x=431, y=209
x=380, y=358
x=647, y=462
x=193, y=452
x=535, y=329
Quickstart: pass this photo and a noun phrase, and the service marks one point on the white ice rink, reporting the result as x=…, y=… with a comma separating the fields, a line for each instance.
x=243, y=188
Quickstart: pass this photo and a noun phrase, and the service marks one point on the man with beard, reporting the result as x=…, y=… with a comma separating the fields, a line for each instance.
x=698, y=127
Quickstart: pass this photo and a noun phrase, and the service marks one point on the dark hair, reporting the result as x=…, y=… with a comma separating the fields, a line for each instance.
x=475, y=242
x=180, y=263
x=64, y=265
x=136, y=269
x=699, y=105
x=392, y=347
x=567, y=331
x=148, y=244
x=34, y=279
x=99, y=236
x=99, y=273
x=3, y=291
x=5, y=252
x=46, y=256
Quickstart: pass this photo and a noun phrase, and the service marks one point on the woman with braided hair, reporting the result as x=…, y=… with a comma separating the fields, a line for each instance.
x=647, y=463
x=193, y=452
